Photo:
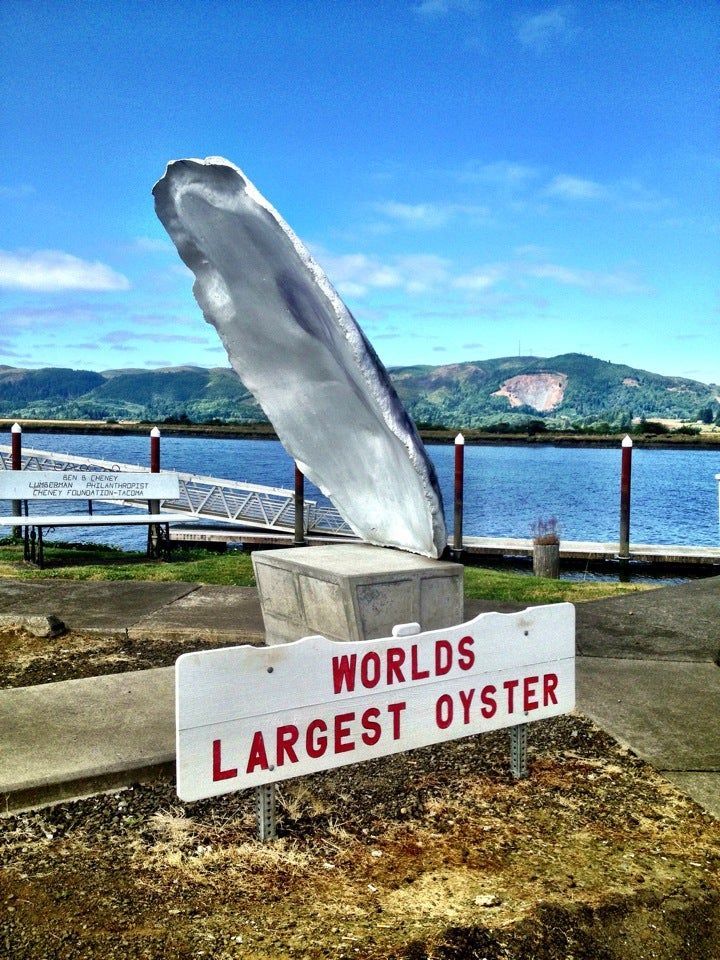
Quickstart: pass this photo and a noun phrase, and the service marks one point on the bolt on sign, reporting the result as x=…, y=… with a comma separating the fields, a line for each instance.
x=249, y=716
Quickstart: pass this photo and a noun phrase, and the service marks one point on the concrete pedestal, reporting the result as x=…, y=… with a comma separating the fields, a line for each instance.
x=354, y=592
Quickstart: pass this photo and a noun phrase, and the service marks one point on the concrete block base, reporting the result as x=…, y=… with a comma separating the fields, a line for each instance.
x=354, y=592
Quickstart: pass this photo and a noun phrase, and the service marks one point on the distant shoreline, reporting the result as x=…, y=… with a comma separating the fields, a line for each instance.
x=262, y=431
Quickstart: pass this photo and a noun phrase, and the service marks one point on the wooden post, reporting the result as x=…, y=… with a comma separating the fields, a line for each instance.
x=154, y=533
x=16, y=464
x=625, y=479
x=546, y=560
x=299, y=540
x=459, y=490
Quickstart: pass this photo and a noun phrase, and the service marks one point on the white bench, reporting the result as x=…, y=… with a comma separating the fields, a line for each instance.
x=48, y=486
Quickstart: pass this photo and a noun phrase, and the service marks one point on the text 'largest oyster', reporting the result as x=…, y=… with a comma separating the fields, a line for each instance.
x=297, y=348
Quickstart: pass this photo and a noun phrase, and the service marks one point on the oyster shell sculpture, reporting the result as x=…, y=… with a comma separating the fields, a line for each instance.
x=297, y=348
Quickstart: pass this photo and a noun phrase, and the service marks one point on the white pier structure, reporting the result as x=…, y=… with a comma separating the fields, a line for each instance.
x=228, y=502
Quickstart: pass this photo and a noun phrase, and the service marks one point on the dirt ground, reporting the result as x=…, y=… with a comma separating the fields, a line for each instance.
x=26, y=660
x=437, y=853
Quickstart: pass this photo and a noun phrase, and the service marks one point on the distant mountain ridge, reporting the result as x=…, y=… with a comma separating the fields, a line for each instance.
x=570, y=388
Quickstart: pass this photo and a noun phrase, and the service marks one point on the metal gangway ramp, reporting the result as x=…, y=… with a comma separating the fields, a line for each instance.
x=228, y=502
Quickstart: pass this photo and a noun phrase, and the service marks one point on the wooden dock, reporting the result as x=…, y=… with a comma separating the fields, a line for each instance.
x=589, y=551
x=477, y=548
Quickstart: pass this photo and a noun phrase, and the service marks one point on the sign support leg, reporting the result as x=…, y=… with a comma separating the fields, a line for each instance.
x=518, y=751
x=267, y=827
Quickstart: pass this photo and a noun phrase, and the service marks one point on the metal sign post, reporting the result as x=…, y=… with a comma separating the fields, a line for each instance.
x=267, y=824
x=518, y=751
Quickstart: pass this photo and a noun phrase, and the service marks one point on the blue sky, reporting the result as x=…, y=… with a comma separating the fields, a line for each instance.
x=477, y=178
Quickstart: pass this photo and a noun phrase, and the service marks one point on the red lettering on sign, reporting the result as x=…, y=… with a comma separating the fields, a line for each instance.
x=286, y=738
x=316, y=745
x=550, y=682
x=373, y=730
x=487, y=696
x=218, y=772
x=395, y=660
x=443, y=657
x=258, y=754
x=510, y=687
x=370, y=670
x=396, y=709
x=444, y=711
x=466, y=698
x=342, y=732
x=466, y=660
x=529, y=693
x=343, y=670
x=415, y=671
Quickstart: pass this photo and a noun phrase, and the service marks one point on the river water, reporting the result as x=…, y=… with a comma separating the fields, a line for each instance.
x=507, y=488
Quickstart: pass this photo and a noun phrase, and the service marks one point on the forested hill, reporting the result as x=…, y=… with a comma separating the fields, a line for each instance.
x=563, y=390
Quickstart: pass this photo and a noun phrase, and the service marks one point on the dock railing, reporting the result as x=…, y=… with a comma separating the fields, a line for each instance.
x=205, y=498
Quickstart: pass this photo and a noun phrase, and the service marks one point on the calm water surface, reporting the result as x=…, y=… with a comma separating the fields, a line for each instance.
x=507, y=488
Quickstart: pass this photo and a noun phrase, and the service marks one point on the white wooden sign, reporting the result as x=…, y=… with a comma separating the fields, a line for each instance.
x=106, y=485
x=247, y=716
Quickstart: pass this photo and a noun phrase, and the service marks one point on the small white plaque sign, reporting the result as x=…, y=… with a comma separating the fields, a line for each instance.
x=247, y=716
x=106, y=485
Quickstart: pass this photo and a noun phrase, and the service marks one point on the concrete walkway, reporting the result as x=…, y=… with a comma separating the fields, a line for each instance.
x=646, y=673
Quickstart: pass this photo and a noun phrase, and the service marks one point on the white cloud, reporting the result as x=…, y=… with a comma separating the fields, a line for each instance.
x=55, y=270
x=440, y=8
x=153, y=245
x=502, y=172
x=575, y=188
x=355, y=274
x=481, y=279
x=428, y=216
x=123, y=338
x=541, y=31
x=18, y=192
x=615, y=282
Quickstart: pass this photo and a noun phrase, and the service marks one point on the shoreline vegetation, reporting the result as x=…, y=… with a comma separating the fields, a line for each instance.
x=663, y=439
x=78, y=561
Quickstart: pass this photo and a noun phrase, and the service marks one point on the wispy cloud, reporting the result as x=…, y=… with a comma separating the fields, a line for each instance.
x=502, y=172
x=575, y=188
x=441, y=8
x=428, y=216
x=359, y=274
x=620, y=282
x=53, y=270
x=153, y=245
x=16, y=192
x=356, y=274
x=482, y=278
x=118, y=338
x=543, y=30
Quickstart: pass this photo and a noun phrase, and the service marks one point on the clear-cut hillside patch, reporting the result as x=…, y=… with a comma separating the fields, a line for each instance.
x=541, y=391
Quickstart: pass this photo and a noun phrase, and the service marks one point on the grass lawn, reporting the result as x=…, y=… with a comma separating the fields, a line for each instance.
x=93, y=562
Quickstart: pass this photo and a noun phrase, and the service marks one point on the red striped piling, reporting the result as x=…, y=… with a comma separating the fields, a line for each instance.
x=299, y=540
x=625, y=480
x=154, y=450
x=153, y=545
x=459, y=489
x=16, y=464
